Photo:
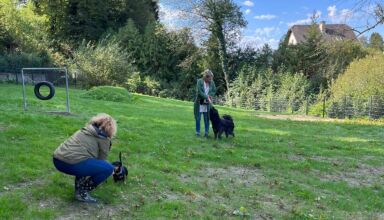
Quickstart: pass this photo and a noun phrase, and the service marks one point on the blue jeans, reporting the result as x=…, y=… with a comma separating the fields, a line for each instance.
x=98, y=170
x=206, y=122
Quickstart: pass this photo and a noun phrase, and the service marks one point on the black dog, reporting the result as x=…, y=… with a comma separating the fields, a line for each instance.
x=121, y=172
x=220, y=125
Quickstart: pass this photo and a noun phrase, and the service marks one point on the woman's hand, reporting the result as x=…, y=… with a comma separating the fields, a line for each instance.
x=209, y=99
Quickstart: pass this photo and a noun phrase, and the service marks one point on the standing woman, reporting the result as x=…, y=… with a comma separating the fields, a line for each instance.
x=205, y=90
x=84, y=155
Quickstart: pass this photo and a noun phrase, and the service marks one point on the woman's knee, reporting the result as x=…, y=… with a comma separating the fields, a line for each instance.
x=108, y=168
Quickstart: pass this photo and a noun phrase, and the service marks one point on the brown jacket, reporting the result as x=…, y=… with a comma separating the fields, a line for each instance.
x=82, y=145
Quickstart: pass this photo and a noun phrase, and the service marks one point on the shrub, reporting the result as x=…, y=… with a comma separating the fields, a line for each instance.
x=102, y=64
x=362, y=79
x=108, y=93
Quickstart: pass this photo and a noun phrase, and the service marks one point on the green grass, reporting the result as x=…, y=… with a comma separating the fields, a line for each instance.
x=272, y=169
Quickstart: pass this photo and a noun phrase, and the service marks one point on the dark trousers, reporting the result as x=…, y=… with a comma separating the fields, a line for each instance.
x=98, y=170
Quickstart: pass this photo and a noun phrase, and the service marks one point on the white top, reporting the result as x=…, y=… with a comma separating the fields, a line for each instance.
x=203, y=108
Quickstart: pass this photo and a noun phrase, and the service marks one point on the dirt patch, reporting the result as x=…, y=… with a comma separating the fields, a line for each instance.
x=79, y=210
x=221, y=186
x=300, y=118
x=21, y=186
x=244, y=176
x=331, y=160
x=362, y=176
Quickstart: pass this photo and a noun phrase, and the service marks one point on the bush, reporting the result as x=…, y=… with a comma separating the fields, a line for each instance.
x=263, y=90
x=362, y=79
x=147, y=86
x=16, y=61
x=102, y=64
x=108, y=93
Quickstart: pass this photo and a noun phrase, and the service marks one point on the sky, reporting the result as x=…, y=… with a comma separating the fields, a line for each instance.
x=269, y=20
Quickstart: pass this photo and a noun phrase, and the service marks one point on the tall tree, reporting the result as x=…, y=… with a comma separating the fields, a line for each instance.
x=376, y=41
x=223, y=19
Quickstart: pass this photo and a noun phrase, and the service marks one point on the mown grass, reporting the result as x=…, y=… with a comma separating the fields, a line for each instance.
x=272, y=169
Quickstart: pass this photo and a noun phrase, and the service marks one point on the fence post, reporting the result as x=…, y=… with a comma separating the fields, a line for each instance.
x=345, y=107
x=324, y=107
x=370, y=107
x=307, y=106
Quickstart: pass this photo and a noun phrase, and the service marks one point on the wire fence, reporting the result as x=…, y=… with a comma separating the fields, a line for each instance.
x=346, y=107
x=31, y=77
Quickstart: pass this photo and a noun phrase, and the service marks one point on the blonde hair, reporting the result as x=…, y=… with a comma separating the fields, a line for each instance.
x=105, y=122
x=207, y=73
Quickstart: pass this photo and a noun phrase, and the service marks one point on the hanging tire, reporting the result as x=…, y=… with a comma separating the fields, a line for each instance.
x=51, y=90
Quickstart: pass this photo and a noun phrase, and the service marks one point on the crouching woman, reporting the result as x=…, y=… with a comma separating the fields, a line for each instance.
x=84, y=155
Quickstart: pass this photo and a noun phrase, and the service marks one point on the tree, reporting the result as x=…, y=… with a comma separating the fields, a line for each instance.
x=376, y=41
x=223, y=19
x=309, y=58
x=75, y=20
x=372, y=9
x=363, y=78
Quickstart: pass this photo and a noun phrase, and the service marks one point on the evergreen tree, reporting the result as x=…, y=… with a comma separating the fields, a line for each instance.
x=376, y=41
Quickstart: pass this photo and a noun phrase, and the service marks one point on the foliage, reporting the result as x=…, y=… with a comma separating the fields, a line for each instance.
x=363, y=78
x=169, y=57
x=224, y=20
x=339, y=55
x=107, y=93
x=321, y=62
x=376, y=41
x=74, y=21
x=102, y=64
x=13, y=62
x=23, y=41
x=256, y=89
x=145, y=85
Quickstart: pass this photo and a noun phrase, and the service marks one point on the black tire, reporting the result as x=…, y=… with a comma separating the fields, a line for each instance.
x=51, y=90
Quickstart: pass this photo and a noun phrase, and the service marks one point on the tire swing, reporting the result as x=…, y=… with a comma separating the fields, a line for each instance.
x=51, y=90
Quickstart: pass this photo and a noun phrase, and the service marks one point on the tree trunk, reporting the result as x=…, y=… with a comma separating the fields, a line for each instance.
x=223, y=55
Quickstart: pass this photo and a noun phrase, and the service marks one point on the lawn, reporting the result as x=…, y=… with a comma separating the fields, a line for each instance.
x=272, y=169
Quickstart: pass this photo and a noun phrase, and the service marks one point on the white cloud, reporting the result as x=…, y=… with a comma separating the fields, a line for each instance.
x=265, y=31
x=261, y=36
x=307, y=20
x=341, y=16
x=248, y=3
x=302, y=21
x=171, y=17
x=265, y=17
x=258, y=42
x=248, y=11
x=332, y=10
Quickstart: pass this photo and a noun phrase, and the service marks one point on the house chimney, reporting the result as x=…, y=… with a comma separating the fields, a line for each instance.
x=322, y=26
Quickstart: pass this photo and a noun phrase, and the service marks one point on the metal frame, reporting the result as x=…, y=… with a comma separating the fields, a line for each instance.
x=66, y=83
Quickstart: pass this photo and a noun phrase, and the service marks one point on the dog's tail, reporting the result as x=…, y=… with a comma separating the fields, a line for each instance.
x=228, y=117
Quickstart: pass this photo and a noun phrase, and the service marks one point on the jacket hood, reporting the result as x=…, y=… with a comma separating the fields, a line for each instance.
x=94, y=131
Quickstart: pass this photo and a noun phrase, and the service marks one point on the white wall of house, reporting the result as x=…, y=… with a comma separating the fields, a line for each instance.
x=292, y=40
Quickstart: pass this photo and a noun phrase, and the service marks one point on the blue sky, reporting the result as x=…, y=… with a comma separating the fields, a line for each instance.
x=269, y=20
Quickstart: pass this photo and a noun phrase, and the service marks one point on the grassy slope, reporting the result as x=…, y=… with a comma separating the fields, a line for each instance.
x=274, y=169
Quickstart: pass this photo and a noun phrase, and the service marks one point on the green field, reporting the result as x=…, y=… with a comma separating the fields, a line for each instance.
x=272, y=169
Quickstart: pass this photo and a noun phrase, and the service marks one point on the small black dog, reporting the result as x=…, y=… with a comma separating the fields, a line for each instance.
x=220, y=125
x=121, y=172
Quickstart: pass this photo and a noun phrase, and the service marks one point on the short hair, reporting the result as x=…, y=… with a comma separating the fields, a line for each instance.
x=105, y=122
x=207, y=73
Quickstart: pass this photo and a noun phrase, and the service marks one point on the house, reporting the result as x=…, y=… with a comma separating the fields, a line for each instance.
x=330, y=32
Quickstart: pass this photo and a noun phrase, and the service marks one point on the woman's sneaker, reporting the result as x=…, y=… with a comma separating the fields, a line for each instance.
x=84, y=196
x=82, y=188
